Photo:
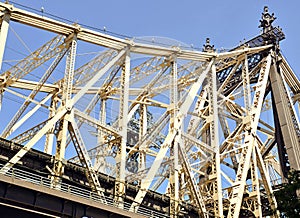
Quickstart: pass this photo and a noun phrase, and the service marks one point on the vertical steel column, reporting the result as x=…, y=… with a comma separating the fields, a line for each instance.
x=100, y=159
x=69, y=74
x=3, y=35
x=246, y=85
x=50, y=133
x=174, y=180
x=256, y=202
x=67, y=103
x=214, y=139
x=142, y=132
x=255, y=192
x=286, y=122
x=58, y=167
x=123, y=116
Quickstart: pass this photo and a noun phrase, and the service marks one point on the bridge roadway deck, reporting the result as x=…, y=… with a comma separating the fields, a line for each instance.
x=37, y=198
x=27, y=186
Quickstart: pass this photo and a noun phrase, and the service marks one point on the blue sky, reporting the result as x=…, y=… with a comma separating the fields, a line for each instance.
x=225, y=22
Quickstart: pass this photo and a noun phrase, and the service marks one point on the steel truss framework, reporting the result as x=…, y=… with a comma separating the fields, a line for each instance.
x=212, y=129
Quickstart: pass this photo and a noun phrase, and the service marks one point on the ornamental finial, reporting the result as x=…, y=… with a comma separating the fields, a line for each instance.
x=266, y=20
x=208, y=47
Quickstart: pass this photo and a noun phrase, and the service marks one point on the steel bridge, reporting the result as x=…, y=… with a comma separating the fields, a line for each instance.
x=143, y=128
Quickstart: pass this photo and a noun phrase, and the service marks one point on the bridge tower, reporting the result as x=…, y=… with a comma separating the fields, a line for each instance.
x=211, y=131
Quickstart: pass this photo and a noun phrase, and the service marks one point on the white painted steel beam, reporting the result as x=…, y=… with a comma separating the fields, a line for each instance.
x=3, y=34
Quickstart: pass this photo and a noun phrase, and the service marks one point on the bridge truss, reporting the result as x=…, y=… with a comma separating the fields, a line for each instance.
x=215, y=130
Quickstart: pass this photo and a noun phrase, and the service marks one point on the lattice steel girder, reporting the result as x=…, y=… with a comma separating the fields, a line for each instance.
x=97, y=76
x=33, y=141
x=30, y=113
x=169, y=138
x=35, y=59
x=29, y=133
x=83, y=74
x=11, y=126
x=60, y=112
x=239, y=184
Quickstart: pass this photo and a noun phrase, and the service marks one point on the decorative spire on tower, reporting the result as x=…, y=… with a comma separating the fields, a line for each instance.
x=266, y=20
x=208, y=47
